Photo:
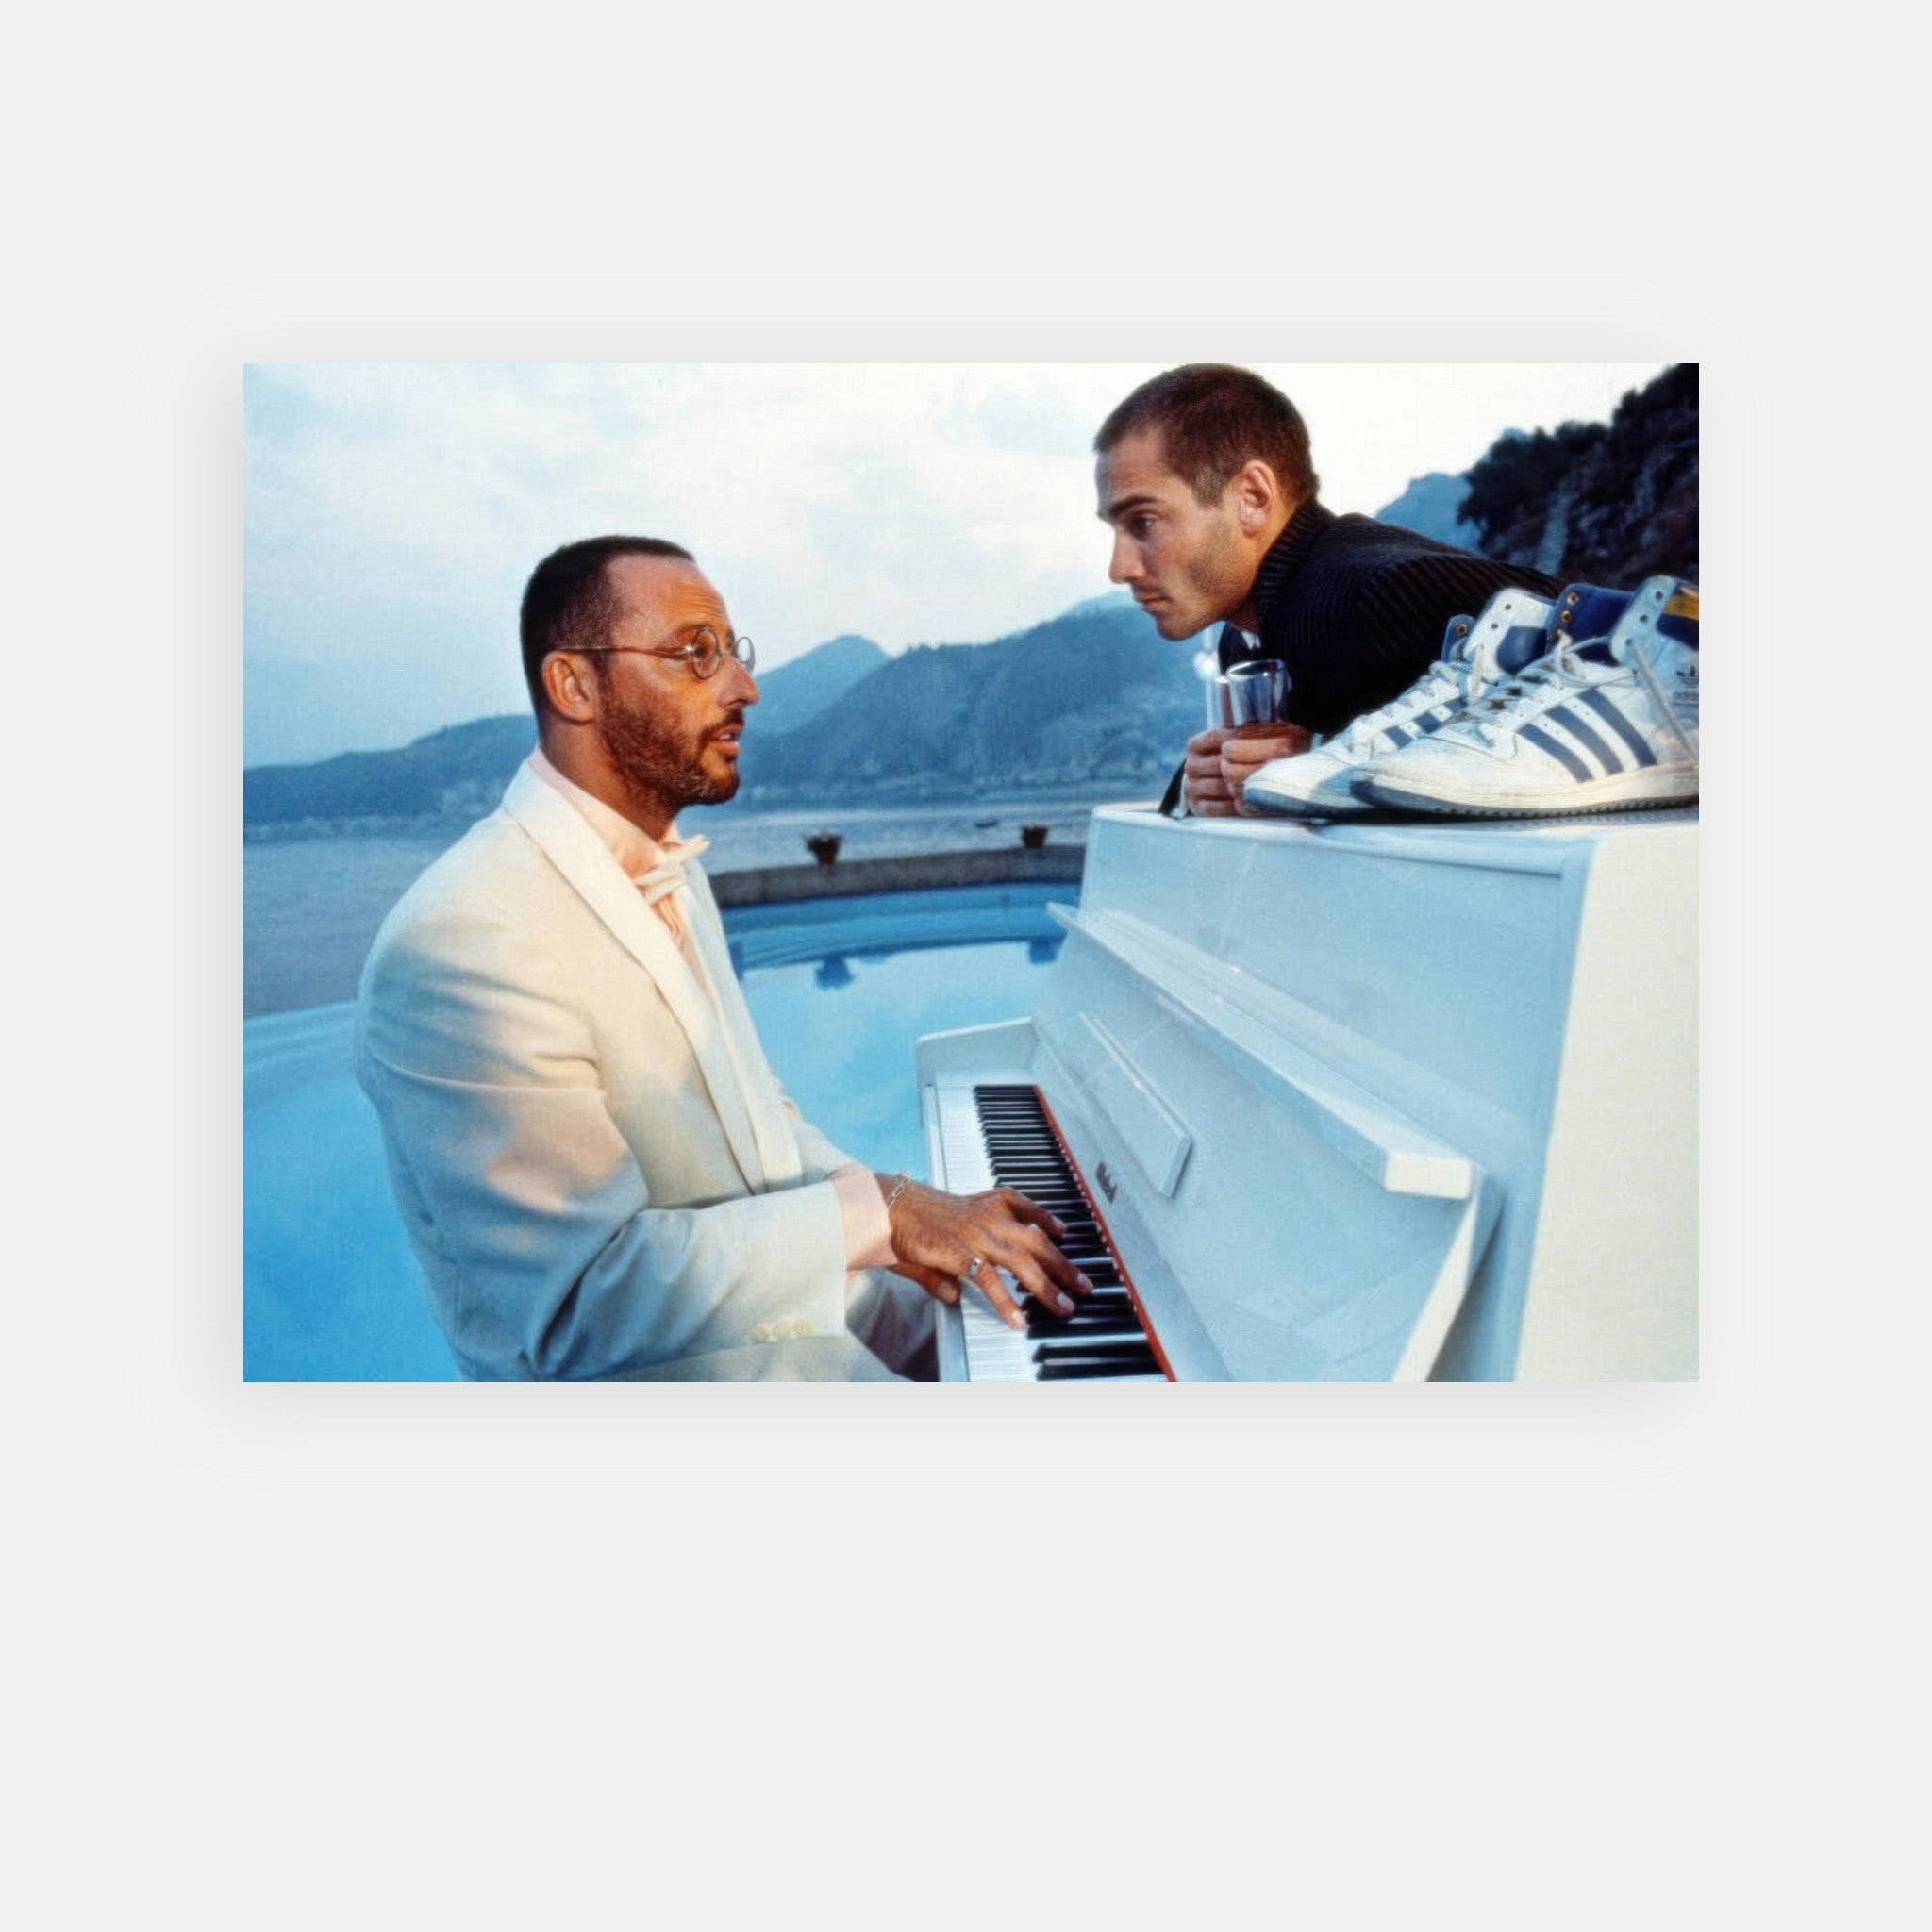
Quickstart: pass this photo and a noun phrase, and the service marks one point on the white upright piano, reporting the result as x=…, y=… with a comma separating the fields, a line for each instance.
x=1351, y=1102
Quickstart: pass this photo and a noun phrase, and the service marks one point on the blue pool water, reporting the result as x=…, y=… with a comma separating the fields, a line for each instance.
x=840, y=990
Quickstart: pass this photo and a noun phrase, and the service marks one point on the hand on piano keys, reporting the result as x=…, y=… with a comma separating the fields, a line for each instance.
x=944, y=1238
x=1012, y=1141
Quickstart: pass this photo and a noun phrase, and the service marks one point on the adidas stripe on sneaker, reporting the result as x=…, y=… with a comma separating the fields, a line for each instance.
x=1477, y=652
x=1604, y=724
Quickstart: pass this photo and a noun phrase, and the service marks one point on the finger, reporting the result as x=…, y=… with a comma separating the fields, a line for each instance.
x=986, y=1278
x=1040, y=1268
x=935, y=1281
x=1029, y=1210
x=1248, y=756
x=1031, y=1241
x=1207, y=742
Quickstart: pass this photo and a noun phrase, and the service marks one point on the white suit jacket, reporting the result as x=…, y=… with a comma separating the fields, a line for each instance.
x=596, y=1167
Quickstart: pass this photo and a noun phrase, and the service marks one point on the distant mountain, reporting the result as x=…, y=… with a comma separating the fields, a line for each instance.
x=1432, y=507
x=795, y=693
x=1094, y=693
x=459, y=773
x=1106, y=602
x=455, y=774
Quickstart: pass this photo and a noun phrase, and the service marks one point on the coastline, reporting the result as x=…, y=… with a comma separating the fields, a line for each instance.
x=311, y=907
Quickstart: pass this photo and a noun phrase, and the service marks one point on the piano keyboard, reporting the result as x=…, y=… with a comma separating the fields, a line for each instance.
x=1009, y=1140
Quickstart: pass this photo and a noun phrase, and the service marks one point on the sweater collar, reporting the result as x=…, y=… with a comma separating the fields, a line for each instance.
x=1287, y=553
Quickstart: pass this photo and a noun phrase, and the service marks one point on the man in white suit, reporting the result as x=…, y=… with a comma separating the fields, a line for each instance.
x=595, y=1162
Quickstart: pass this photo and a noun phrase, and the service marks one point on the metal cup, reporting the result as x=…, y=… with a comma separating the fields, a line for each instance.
x=1250, y=694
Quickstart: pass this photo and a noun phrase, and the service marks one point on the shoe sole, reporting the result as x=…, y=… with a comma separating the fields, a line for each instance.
x=1277, y=804
x=1631, y=791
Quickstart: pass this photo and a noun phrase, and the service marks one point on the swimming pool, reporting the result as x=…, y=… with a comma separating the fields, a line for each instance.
x=841, y=989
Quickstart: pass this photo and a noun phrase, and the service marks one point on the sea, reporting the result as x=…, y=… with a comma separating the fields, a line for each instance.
x=311, y=907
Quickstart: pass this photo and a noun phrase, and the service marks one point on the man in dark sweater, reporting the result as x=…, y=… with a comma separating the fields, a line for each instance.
x=1206, y=477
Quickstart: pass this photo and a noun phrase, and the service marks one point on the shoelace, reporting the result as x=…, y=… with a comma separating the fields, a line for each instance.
x=1509, y=707
x=1504, y=711
x=1439, y=682
x=1665, y=709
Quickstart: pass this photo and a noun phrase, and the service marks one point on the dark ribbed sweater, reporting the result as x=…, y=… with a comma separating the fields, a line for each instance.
x=1357, y=610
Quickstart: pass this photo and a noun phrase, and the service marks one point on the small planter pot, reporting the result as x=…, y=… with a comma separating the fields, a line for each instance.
x=1033, y=836
x=823, y=846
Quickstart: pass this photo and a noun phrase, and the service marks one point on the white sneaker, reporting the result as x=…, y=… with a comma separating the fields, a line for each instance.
x=1599, y=725
x=1476, y=653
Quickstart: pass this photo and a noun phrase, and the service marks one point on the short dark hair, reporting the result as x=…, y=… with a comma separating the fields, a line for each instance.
x=568, y=603
x=1212, y=419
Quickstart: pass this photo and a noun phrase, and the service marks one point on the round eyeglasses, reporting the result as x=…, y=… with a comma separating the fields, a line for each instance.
x=706, y=651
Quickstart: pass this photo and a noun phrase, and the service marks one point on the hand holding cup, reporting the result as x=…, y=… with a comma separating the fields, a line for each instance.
x=1250, y=696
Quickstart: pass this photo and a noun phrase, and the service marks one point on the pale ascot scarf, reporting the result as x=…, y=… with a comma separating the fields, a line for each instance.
x=654, y=866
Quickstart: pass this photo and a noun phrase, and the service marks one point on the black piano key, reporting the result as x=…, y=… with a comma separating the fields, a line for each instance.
x=1116, y=1329
x=1109, y=1323
x=1103, y=1301
x=1044, y=1321
x=1090, y=1349
x=1103, y=1338
x=1107, y=1299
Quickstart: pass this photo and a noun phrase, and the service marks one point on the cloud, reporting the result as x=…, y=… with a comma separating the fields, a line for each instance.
x=395, y=510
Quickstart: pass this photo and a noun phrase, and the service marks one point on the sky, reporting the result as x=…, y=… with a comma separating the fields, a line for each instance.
x=393, y=511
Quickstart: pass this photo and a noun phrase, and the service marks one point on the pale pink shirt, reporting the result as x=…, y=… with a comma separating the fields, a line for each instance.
x=648, y=863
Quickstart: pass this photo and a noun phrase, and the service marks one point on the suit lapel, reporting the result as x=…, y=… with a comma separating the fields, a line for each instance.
x=585, y=861
x=777, y=1145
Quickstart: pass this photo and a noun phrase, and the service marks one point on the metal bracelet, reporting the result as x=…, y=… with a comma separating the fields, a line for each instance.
x=905, y=1182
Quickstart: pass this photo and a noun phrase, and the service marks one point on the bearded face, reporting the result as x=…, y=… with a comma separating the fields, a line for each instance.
x=668, y=757
x=665, y=737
